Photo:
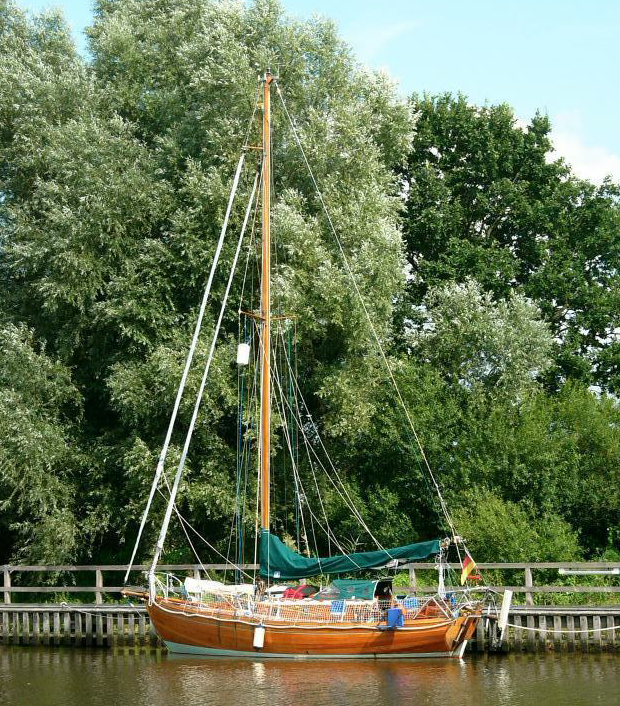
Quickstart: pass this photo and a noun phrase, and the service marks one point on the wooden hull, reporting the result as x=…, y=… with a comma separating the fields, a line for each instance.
x=190, y=630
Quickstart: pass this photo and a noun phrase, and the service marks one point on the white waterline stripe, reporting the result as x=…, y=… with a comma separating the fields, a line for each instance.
x=180, y=648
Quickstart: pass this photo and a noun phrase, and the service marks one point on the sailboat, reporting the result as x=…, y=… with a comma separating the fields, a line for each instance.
x=349, y=618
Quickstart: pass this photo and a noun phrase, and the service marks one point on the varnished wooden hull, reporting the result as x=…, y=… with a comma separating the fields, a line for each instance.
x=187, y=629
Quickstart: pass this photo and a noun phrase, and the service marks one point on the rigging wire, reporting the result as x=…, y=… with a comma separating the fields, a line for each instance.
x=297, y=478
x=246, y=457
x=368, y=317
x=187, y=524
x=311, y=514
x=208, y=544
x=190, y=431
x=329, y=532
x=293, y=428
x=244, y=439
x=256, y=515
x=344, y=494
x=164, y=451
x=188, y=362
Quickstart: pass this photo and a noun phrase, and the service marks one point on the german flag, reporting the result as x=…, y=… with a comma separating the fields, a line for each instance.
x=468, y=565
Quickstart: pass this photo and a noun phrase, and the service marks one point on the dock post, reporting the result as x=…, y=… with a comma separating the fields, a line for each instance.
x=46, y=628
x=611, y=634
x=7, y=584
x=518, y=636
x=480, y=630
x=99, y=629
x=141, y=630
x=88, y=628
x=78, y=628
x=542, y=635
x=120, y=629
x=584, y=635
x=597, y=642
x=504, y=638
x=6, y=630
x=531, y=634
x=570, y=627
x=493, y=636
x=557, y=633
x=529, y=598
x=99, y=585
x=36, y=628
x=25, y=628
x=66, y=632
x=16, y=630
x=131, y=628
x=56, y=623
x=109, y=629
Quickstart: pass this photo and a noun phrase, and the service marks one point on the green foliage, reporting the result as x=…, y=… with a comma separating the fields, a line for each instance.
x=475, y=341
x=115, y=174
x=39, y=457
x=497, y=277
x=484, y=200
x=503, y=531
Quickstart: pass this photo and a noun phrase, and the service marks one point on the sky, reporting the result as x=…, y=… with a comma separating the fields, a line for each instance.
x=561, y=57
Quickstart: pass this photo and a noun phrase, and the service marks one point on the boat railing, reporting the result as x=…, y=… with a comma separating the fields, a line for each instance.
x=303, y=611
x=170, y=586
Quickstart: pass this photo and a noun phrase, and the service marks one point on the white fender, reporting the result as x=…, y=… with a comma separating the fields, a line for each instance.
x=503, y=614
x=259, y=637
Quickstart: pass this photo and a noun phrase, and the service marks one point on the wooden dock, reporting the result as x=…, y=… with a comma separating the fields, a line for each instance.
x=552, y=628
x=78, y=625
x=533, y=628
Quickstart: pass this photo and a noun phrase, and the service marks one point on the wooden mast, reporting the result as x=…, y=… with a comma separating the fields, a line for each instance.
x=265, y=308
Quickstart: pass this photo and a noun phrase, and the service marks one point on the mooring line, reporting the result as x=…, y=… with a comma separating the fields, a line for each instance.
x=64, y=604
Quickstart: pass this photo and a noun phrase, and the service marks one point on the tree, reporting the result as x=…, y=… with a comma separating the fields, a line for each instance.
x=484, y=200
x=472, y=340
x=114, y=177
x=504, y=531
x=115, y=173
x=40, y=460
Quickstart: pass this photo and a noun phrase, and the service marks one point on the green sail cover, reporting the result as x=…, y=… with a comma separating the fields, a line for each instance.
x=277, y=561
x=340, y=589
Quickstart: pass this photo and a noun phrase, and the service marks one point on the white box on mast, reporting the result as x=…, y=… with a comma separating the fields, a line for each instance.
x=243, y=354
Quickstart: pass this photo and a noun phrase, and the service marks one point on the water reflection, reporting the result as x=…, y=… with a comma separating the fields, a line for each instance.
x=72, y=677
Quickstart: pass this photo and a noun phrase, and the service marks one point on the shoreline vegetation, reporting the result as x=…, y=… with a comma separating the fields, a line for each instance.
x=491, y=271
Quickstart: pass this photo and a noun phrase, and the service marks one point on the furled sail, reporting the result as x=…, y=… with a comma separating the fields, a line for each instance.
x=277, y=561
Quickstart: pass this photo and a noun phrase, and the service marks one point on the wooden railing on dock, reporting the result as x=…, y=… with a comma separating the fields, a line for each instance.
x=528, y=587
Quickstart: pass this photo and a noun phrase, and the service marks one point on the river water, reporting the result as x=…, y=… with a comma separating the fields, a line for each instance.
x=55, y=676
